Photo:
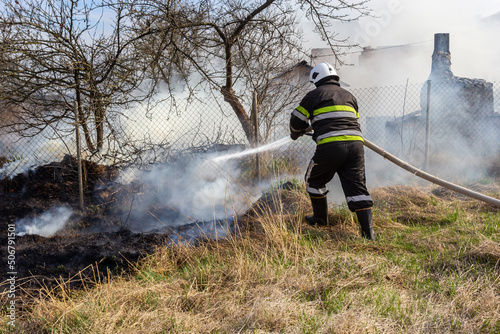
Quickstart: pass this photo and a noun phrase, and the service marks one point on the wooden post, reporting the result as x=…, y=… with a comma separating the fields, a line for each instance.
x=79, y=156
x=255, y=113
x=427, y=126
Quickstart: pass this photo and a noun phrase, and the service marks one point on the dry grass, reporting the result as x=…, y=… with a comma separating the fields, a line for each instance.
x=434, y=269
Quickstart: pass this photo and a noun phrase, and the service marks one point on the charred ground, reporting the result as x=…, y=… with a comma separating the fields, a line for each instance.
x=94, y=242
x=41, y=261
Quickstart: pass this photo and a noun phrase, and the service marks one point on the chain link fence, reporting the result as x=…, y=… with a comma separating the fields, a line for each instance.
x=436, y=126
x=446, y=128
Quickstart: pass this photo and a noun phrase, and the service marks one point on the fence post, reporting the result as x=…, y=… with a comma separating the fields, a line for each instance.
x=79, y=156
x=255, y=113
x=427, y=126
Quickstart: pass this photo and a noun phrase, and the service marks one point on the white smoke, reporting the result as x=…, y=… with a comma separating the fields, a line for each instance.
x=400, y=33
x=399, y=41
x=47, y=224
x=205, y=187
x=26, y=153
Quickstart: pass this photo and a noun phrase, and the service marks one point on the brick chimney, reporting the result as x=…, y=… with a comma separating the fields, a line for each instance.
x=441, y=58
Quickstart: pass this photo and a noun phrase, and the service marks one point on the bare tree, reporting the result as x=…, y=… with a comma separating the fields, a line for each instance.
x=239, y=46
x=56, y=53
x=109, y=55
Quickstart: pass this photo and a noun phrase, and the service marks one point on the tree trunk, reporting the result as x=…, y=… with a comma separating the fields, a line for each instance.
x=240, y=112
x=229, y=96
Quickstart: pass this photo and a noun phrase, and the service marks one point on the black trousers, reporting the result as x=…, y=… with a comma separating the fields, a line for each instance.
x=346, y=158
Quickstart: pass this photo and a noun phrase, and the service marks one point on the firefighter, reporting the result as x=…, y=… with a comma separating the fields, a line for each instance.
x=333, y=114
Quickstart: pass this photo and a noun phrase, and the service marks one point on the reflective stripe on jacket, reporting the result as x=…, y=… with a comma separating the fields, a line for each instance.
x=332, y=111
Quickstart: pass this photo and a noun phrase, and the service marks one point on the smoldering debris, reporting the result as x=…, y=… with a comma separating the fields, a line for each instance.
x=54, y=240
x=42, y=263
x=186, y=191
x=47, y=224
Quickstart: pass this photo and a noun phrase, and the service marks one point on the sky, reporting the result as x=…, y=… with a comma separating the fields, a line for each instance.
x=472, y=25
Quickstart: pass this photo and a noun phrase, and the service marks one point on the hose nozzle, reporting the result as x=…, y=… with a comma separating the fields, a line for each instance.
x=309, y=131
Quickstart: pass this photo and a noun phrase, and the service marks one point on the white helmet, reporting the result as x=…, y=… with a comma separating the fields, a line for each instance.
x=322, y=71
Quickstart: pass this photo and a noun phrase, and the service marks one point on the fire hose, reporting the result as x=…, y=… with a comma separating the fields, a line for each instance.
x=431, y=178
x=424, y=175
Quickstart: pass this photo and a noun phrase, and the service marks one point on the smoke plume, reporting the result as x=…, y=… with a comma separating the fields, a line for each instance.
x=396, y=42
x=186, y=191
x=47, y=224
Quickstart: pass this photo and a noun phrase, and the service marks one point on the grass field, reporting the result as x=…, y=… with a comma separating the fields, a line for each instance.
x=434, y=268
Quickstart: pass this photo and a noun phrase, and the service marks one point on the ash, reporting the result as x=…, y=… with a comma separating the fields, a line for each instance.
x=110, y=235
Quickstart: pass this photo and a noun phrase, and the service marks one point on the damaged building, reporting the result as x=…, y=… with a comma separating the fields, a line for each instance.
x=456, y=117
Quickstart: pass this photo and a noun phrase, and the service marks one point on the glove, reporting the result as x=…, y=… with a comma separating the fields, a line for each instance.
x=296, y=134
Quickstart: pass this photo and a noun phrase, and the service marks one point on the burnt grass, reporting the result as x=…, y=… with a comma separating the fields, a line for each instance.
x=78, y=251
x=94, y=244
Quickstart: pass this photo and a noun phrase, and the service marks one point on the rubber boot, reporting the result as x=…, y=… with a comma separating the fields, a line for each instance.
x=365, y=220
x=320, y=211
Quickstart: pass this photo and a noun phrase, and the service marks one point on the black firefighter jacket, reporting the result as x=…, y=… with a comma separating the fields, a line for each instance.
x=332, y=112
